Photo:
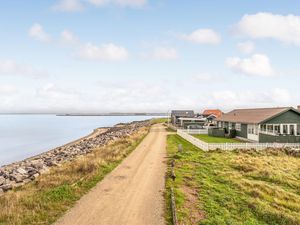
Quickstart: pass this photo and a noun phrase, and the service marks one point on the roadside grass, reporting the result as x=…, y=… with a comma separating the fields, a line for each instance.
x=159, y=120
x=209, y=139
x=52, y=194
x=233, y=187
x=169, y=129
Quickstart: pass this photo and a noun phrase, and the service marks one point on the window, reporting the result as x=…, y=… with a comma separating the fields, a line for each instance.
x=284, y=129
x=298, y=129
x=270, y=128
x=253, y=129
x=220, y=124
x=292, y=129
x=264, y=127
x=277, y=129
x=238, y=126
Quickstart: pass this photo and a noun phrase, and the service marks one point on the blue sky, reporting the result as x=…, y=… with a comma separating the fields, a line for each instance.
x=143, y=55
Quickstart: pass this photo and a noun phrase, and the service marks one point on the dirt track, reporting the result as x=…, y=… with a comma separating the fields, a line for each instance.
x=131, y=194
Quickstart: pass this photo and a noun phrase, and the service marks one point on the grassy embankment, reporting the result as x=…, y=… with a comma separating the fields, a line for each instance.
x=209, y=139
x=46, y=199
x=237, y=187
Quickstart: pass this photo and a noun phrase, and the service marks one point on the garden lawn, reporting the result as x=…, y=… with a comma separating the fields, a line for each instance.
x=233, y=187
x=209, y=139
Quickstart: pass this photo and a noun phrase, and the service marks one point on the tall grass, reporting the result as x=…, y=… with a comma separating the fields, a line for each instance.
x=46, y=199
x=237, y=187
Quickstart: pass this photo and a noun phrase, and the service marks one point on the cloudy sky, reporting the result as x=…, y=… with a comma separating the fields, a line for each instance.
x=148, y=55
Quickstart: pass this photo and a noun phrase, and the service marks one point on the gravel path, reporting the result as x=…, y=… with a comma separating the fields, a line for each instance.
x=130, y=194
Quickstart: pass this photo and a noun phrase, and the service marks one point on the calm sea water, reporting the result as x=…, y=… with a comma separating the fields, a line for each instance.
x=22, y=136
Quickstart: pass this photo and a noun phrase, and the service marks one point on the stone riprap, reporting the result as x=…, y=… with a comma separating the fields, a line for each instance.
x=20, y=173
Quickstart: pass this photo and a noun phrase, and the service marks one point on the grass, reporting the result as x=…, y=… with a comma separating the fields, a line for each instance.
x=210, y=139
x=159, y=120
x=51, y=195
x=234, y=187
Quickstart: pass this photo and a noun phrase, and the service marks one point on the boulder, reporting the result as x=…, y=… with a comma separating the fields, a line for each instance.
x=2, y=180
x=16, y=177
x=21, y=170
x=6, y=187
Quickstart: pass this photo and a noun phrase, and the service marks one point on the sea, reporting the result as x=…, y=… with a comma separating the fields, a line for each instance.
x=23, y=136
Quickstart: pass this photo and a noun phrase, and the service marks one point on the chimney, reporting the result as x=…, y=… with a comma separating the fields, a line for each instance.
x=298, y=108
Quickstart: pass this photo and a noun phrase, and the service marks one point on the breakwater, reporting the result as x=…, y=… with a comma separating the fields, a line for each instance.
x=25, y=171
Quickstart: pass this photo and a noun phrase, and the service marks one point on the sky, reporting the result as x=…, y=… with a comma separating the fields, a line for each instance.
x=64, y=56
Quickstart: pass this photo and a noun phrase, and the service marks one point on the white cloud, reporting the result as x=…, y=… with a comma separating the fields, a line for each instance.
x=204, y=77
x=268, y=25
x=69, y=6
x=246, y=47
x=105, y=52
x=78, y=5
x=229, y=100
x=202, y=36
x=136, y=96
x=36, y=31
x=163, y=53
x=256, y=65
x=68, y=37
x=10, y=67
x=122, y=3
x=6, y=89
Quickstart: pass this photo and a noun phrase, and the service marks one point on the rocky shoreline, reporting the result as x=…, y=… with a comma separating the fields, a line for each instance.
x=25, y=171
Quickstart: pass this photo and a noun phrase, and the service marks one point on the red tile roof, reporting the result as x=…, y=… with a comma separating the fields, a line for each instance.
x=218, y=113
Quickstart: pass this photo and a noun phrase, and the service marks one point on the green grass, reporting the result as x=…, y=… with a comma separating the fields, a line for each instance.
x=209, y=139
x=51, y=195
x=236, y=188
x=159, y=120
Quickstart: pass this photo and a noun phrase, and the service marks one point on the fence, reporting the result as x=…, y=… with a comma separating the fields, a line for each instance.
x=232, y=146
x=195, y=131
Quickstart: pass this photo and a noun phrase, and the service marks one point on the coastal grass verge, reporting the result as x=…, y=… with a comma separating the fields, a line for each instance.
x=47, y=198
x=233, y=187
x=159, y=120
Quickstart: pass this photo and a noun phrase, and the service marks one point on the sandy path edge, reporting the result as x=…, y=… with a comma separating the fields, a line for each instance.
x=133, y=193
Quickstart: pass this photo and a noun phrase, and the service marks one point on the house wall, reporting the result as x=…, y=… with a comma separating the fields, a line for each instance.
x=265, y=138
x=287, y=117
x=243, y=132
x=216, y=132
x=186, y=124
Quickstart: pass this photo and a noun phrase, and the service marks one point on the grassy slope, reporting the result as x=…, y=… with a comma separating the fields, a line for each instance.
x=46, y=199
x=234, y=187
x=209, y=139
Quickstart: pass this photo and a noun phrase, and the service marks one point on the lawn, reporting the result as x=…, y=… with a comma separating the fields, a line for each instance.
x=233, y=187
x=209, y=139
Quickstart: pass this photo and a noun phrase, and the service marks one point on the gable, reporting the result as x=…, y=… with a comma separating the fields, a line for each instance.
x=290, y=116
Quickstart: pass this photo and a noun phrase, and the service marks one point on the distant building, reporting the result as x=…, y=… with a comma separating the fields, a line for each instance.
x=264, y=125
x=176, y=114
x=216, y=112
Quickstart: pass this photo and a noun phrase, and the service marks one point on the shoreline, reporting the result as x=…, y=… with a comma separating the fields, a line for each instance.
x=21, y=172
x=90, y=135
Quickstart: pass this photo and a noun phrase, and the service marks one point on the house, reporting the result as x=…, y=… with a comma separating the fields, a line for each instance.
x=192, y=122
x=216, y=112
x=265, y=125
x=186, y=118
x=176, y=114
x=212, y=114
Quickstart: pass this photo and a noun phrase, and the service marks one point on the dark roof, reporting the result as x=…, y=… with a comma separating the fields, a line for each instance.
x=183, y=113
x=254, y=116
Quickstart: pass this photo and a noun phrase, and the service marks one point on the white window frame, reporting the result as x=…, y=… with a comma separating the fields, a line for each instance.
x=238, y=126
x=281, y=129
